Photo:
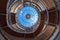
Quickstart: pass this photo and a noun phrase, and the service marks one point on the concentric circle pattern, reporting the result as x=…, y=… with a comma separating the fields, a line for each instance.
x=27, y=17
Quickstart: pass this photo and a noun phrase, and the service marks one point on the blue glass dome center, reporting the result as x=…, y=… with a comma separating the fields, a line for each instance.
x=27, y=16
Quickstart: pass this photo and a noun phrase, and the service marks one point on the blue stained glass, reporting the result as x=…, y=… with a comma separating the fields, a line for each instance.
x=27, y=16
